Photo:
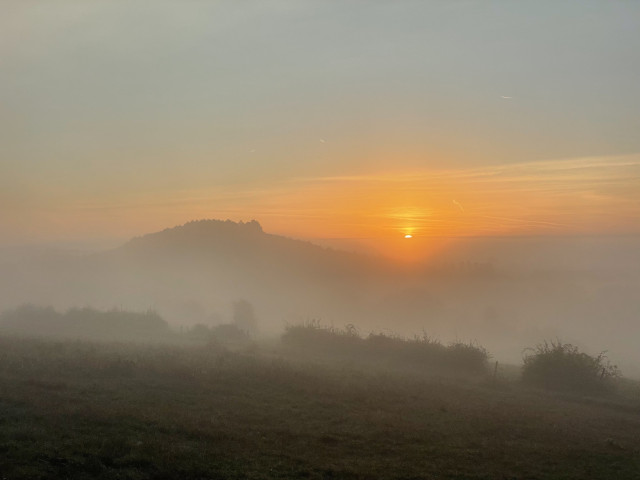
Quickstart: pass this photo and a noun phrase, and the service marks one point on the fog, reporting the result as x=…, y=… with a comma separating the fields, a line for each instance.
x=504, y=293
x=319, y=239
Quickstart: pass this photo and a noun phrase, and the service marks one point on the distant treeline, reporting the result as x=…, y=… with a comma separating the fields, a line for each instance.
x=85, y=323
x=119, y=325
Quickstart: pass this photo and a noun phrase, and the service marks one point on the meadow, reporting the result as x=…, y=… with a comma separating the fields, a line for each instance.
x=82, y=409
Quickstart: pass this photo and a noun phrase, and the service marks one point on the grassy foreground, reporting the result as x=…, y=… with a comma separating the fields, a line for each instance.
x=89, y=410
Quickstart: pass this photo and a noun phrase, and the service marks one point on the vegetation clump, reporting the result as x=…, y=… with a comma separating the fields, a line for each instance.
x=87, y=323
x=561, y=366
x=223, y=333
x=418, y=351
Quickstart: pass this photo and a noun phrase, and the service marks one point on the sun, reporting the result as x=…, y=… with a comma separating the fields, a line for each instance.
x=408, y=235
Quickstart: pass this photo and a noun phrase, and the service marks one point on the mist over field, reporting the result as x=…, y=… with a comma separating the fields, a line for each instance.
x=506, y=294
x=217, y=350
x=319, y=239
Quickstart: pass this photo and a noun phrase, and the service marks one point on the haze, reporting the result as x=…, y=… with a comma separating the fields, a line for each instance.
x=497, y=134
x=320, y=239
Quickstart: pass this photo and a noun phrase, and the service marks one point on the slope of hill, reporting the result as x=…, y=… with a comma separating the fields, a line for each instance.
x=244, y=246
x=193, y=273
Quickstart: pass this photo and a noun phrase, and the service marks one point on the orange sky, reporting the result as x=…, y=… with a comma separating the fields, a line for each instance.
x=327, y=120
x=585, y=196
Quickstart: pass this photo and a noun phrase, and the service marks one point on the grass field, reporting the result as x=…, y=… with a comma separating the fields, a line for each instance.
x=75, y=410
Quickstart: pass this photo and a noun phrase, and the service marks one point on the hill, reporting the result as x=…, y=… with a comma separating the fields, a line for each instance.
x=245, y=247
x=194, y=272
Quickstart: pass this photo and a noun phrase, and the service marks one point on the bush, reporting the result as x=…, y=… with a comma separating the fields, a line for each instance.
x=561, y=366
x=230, y=333
x=315, y=336
x=244, y=317
x=417, y=351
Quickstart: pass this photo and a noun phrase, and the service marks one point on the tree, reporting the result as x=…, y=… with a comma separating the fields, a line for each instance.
x=244, y=316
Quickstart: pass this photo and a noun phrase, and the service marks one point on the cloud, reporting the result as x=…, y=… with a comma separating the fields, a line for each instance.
x=571, y=196
x=575, y=195
x=457, y=204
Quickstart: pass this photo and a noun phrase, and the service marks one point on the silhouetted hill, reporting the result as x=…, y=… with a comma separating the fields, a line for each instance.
x=189, y=271
x=194, y=272
x=243, y=245
x=242, y=255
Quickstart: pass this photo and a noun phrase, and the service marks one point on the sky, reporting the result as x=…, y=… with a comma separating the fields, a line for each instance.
x=320, y=119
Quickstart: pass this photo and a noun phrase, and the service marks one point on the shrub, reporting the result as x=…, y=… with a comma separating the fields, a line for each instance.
x=470, y=356
x=244, y=316
x=312, y=334
x=561, y=366
x=199, y=332
x=230, y=333
x=417, y=351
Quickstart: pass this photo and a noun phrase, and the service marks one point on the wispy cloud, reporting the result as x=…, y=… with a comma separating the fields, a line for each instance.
x=569, y=195
x=457, y=204
x=586, y=195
